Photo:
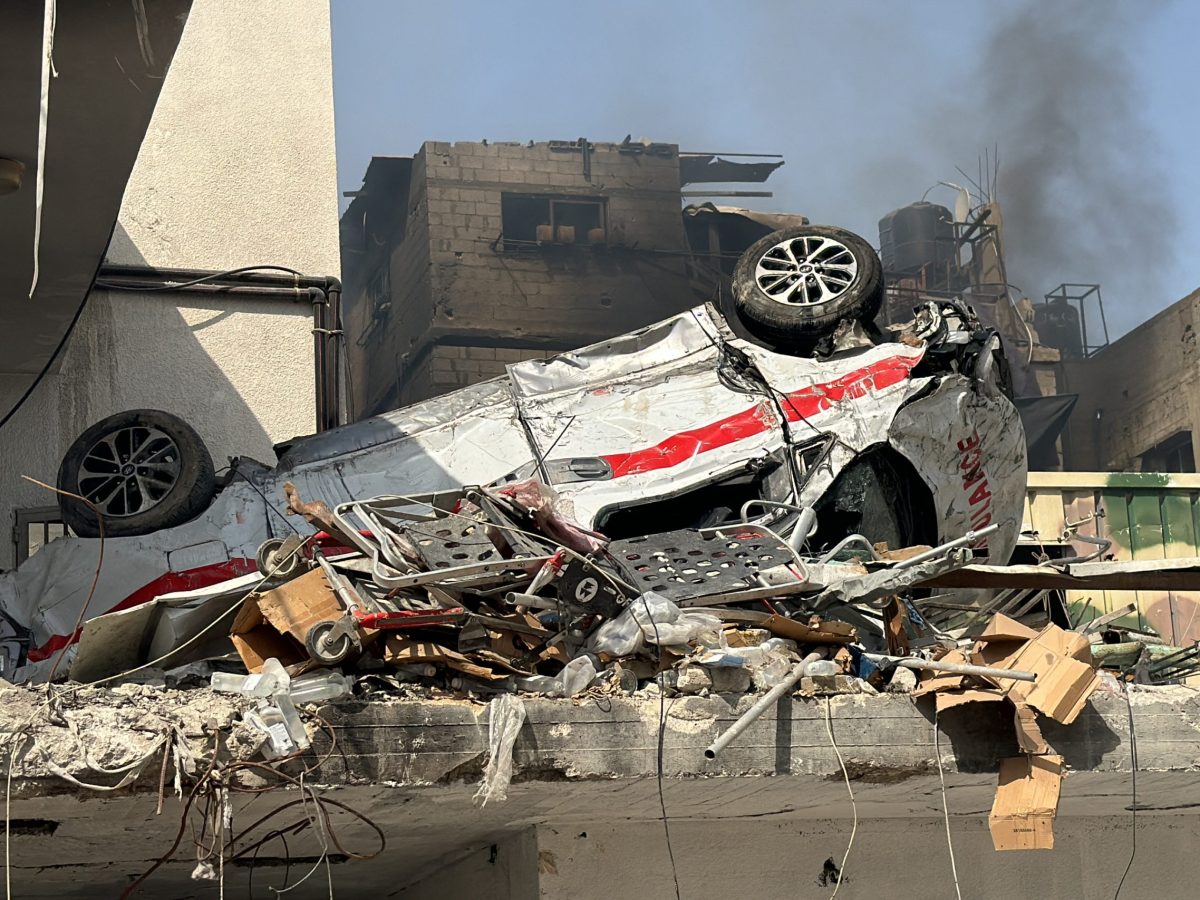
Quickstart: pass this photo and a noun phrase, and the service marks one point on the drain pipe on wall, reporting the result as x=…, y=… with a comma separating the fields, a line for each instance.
x=323, y=292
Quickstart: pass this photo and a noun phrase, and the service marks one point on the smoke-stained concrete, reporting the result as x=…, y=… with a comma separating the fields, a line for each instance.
x=583, y=814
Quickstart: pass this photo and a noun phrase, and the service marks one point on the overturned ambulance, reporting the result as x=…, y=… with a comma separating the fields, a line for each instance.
x=904, y=437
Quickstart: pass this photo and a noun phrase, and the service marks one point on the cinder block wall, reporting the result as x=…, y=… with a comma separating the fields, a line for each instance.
x=381, y=368
x=463, y=307
x=1145, y=388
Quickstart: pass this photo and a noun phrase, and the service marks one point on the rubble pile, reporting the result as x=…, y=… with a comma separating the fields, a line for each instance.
x=496, y=592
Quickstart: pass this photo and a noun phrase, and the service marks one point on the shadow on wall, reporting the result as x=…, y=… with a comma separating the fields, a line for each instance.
x=217, y=363
x=239, y=371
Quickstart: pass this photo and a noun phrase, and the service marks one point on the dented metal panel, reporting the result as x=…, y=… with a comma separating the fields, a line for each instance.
x=970, y=448
x=640, y=418
x=1146, y=516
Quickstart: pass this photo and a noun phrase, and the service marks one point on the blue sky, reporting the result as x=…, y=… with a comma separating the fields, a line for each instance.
x=870, y=103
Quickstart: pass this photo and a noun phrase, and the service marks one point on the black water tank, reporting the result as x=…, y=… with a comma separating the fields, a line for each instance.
x=1058, y=326
x=915, y=236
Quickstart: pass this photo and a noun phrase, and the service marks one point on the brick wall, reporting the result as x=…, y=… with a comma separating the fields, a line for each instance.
x=1145, y=388
x=455, y=367
x=463, y=300
x=381, y=347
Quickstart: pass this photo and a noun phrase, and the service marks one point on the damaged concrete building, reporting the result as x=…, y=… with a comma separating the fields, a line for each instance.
x=1139, y=401
x=469, y=256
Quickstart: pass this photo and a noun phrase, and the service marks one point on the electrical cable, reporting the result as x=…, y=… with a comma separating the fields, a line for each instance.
x=937, y=751
x=662, y=733
x=213, y=276
x=13, y=749
x=1133, y=760
x=853, y=805
x=349, y=370
x=118, y=287
x=46, y=368
x=266, y=502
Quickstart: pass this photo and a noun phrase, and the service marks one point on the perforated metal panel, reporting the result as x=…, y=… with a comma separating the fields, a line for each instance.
x=689, y=563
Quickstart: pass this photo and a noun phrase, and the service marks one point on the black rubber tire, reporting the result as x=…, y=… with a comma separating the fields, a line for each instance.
x=188, y=497
x=319, y=649
x=802, y=325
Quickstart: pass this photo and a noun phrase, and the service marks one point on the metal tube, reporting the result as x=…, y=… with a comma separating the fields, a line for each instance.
x=847, y=541
x=806, y=520
x=931, y=665
x=318, y=299
x=333, y=360
x=933, y=553
x=764, y=703
x=166, y=275
x=533, y=601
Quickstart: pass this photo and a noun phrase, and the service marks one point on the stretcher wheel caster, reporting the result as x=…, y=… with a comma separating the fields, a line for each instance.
x=278, y=559
x=326, y=647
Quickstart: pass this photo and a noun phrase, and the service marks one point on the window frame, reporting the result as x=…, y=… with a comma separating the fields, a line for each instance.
x=35, y=515
x=514, y=244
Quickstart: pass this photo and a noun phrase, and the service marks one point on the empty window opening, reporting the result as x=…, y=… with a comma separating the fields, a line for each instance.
x=1172, y=455
x=540, y=220
x=35, y=527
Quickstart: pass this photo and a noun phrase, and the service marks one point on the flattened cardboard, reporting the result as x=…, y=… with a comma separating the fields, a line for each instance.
x=1002, y=628
x=949, y=699
x=1064, y=679
x=1026, y=803
x=256, y=640
x=821, y=633
x=1029, y=733
x=403, y=651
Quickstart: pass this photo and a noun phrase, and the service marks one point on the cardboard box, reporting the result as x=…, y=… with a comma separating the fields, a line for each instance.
x=275, y=624
x=815, y=631
x=1026, y=803
x=1062, y=661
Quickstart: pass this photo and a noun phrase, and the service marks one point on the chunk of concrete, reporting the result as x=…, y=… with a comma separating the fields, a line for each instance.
x=729, y=679
x=747, y=637
x=829, y=684
x=903, y=681
x=693, y=679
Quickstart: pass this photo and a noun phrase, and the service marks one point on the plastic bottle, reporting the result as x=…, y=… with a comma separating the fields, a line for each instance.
x=321, y=686
x=822, y=667
x=538, y=684
x=258, y=685
x=269, y=719
x=275, y=669
x=292, y=721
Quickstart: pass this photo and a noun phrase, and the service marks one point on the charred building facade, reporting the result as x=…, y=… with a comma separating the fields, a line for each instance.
x=1139, y=397
x=469, y=256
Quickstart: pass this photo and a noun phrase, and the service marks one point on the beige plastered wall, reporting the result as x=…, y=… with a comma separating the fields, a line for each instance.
x=237, y=169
